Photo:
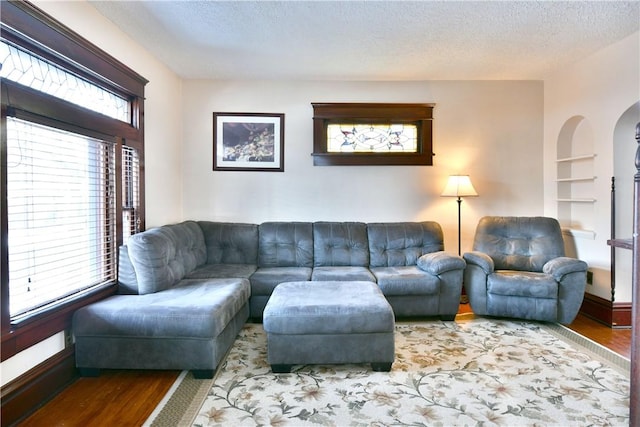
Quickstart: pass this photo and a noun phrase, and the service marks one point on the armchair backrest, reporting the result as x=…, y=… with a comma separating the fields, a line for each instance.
x=519, y=243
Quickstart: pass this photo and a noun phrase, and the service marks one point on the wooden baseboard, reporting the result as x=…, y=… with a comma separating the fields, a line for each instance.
x=614, y=315
x=24, y=395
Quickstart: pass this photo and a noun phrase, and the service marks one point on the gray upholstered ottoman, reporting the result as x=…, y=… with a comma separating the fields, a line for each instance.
x=329, y=323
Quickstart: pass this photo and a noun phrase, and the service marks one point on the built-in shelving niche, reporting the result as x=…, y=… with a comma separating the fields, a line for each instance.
x=575, y=178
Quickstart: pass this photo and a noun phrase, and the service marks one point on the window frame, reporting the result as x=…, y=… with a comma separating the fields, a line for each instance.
x=420, y=115
x=29, y=27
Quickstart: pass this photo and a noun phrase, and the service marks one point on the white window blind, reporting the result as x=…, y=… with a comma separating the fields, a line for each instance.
x=130, y=192
x=61, y=215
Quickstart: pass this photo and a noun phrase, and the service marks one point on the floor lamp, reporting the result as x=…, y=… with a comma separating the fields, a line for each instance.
x=459, y=186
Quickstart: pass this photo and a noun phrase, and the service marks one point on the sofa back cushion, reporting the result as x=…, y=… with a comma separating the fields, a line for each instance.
x=164, y=255
x=230, y=242
x=340, y=244
x=285, y=244
x=396, y=244
x=519, y=243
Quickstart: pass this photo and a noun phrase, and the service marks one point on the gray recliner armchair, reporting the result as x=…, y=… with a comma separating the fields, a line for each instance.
x=518, y=269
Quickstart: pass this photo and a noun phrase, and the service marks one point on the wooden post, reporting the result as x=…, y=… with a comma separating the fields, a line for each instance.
x=634, y=399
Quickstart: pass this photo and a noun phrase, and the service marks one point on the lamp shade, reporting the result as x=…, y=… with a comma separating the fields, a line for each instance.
x=459, y=186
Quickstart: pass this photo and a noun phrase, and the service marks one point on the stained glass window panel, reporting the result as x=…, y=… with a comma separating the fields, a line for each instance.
x=372, y=138
x=29, y=70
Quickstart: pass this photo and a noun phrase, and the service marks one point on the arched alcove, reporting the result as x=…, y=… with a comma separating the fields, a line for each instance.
x=624, y=149
x=575, y=175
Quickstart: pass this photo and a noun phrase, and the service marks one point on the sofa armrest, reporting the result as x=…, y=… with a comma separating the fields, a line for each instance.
x=561, y=266
x=480, y=259
x=440, y=262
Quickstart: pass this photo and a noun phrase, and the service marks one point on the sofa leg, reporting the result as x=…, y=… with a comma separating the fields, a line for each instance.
x=381, y=367
x=448, y=317
x=202, y=374
x=89, y=372
x=280, y=369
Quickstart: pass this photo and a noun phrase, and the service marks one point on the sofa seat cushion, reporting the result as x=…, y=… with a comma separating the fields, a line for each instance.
x=522, y=284
x=193, y=308
x=409, y=280
x=222, y=271
x=264, y=280
x=544, y=309
x=342, y=274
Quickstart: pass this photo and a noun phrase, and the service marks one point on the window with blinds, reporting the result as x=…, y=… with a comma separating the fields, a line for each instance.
x=61, y=214
x=130, y=192
x=71, y=172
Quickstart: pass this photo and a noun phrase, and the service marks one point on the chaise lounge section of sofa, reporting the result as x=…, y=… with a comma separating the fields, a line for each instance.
x=174, y=310
x=186, y=290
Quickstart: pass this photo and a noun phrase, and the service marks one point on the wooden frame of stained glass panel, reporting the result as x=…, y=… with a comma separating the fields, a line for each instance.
x=372, y=134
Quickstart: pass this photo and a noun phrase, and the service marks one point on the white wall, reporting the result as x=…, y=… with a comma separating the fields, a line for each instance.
x=600, y=89
x=162, y=137
x=489, y=130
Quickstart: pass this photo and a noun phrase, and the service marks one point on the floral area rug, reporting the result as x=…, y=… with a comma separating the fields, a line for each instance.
x=469, y=372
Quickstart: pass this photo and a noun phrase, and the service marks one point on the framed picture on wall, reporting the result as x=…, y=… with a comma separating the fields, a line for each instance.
x=248, y=142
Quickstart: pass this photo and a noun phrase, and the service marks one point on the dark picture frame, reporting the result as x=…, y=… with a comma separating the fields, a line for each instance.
x=248, y=142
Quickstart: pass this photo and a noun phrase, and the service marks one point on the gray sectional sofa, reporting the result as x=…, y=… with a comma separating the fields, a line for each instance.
x=186, y=290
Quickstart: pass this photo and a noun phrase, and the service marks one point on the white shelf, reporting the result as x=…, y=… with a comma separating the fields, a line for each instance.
x=571, y=159
x=585, y=178
x=577, y=232
x=577, y=200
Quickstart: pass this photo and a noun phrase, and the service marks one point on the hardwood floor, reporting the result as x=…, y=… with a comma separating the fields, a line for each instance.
x=127, y=398
x=115, y=398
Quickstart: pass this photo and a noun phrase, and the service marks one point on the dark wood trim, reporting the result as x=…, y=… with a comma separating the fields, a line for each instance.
x=21, y=18
x=621, y=243
x=622, y=314
x=372, y=111
x=139, y=146
x=29, y=104
x=29, y=332
x=614, y=315
x=420, y=115
x=369, y=159
x=24, y=395
x=5, y=317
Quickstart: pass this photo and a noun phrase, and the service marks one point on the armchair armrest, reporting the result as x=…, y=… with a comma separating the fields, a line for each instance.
x=440, y=262
x=561, y=266
x=480, y=259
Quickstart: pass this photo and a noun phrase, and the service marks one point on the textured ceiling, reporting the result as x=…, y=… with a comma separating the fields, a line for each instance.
x=371, y=40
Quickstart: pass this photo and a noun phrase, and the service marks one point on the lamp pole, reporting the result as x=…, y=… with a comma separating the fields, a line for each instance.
x=459, y=186
x=459, y=223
